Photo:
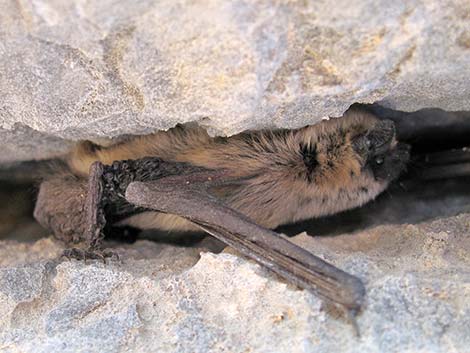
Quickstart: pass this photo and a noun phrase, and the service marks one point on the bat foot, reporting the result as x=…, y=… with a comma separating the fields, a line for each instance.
x=90, y=254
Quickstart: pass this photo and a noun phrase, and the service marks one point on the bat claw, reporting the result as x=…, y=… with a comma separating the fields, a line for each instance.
x=351, y=315
x=90, y=254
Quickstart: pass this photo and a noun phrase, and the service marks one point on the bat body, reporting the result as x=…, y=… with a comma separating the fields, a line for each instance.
x=279, y=176
x=180, y=179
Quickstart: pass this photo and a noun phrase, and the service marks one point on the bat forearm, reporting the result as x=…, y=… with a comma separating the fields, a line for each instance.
x=124, y=188
x=188, y=197
x=105, y=201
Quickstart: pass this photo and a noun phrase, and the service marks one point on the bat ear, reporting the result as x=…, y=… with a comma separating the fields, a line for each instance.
x=382, y=136
x=376, y=141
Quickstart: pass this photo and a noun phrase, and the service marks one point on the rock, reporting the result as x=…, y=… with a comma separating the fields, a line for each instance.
x=164, y=298
x=24, y=143
x=81, y=70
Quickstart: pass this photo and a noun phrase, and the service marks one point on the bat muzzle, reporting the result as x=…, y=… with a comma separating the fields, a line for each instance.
x=390, y=165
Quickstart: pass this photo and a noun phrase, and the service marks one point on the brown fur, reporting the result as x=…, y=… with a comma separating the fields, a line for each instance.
x=60, y=206
x=276, y=186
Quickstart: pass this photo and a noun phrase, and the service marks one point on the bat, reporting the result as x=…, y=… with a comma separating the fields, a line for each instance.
x=236, y=188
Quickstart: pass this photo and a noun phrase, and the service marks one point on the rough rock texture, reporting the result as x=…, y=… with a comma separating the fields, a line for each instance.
x=163, y=299
x=99, y=69
x=82, y=69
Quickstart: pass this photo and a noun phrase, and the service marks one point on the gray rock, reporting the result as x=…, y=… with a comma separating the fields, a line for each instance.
x=164, y=298
x=24, y=143
x=80, y=70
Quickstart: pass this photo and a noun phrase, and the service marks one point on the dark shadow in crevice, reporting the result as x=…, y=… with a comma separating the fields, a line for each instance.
x=16, y=212
x=427, y=130
x=426, y=201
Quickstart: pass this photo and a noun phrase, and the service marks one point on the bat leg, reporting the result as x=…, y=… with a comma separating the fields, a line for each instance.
x=95, y=215
x=188, y=197
x=60, y=207
x=94, y=221
x=105, y=203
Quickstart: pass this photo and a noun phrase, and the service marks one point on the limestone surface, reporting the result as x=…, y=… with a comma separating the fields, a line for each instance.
x=86, y=69
x=164, y=298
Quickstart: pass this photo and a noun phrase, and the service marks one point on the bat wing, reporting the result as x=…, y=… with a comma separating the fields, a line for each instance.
x=133, y=186
x=188, y=197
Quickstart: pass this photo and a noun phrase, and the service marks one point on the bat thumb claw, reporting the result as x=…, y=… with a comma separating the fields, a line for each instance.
x=352, y=318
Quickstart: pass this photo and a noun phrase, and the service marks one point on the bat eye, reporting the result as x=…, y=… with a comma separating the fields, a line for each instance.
x=379, y=160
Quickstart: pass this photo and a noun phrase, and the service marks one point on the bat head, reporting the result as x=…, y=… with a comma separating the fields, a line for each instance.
x=339, y=152
x=318, y=170
x=379, y=152
x=345, y=163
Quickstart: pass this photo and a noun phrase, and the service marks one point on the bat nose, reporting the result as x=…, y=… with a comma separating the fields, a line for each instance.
x=390, y=165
